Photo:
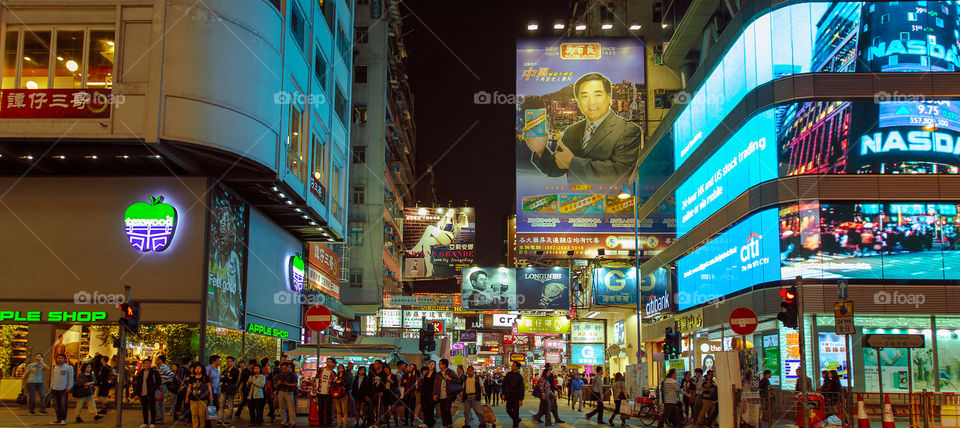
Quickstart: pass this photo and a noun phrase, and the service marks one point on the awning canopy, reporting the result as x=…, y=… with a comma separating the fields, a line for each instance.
x=345, y=350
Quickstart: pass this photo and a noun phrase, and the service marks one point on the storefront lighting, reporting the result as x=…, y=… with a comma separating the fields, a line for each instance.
x=558, y=26
x=305, y=217
x=28, y=157
x=289, y=202
x=26, y=58
x=274, y=188
x=156, y=156
x=895, y=331
x=297, y=209
x=319, y=229
x=422, y=211
x=581, y=27
x=329, y=239
x=606, y=26
x=313, y=223
x=126, y=156
x=664, y=26
x=281, y=195
x=109, y=42
x=59, y=58
x=93, y=157
x=60, y=157
x=635, y=27
x=530, y=27
x=32, y=85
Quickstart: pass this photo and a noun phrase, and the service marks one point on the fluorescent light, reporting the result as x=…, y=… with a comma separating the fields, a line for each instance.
x=422, y=211
x=664, y=26
x=606, y=26
x=623, y=195
x=558, y=26
x=634, y=27
x=289, y=202
x=531, y=27
x=581, y=27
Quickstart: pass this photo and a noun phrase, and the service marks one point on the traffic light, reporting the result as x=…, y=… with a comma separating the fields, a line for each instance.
x=788, y=308
x=130, y=316
x=671, y=343
x=427, y=342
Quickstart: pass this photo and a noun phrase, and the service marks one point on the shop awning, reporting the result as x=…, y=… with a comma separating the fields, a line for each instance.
x=345, y=350
x=404, y=345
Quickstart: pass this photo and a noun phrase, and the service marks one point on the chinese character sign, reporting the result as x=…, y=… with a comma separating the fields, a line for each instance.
x=55, y=103
x=586, y=354
x=438, y=242
x=587, y=332
x=543, y=325
x=615, y=286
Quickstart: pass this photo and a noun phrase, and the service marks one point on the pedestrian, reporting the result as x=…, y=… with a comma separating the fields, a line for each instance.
x=286, y=383
x=408, y=385
x=473, y=392
x=145, y=385
x=106, y=378
x=338, y=393
x=555, y=385
x=213, y=373
x=166, y=380
x=445, y=391
x=497, y=387
x=513, y=392
x=33, y=381
x=229, y=381
x=545, y=391
x=244, y=386
x=61, y=381
x=181, y=406
x=698, y=393
x=348, y=384
x=576, y=391
x=361, y=393
x=427, y=402
x=323, y=382
x=197, y=389
x=670, y=393
x=378, y=404
x=256, y=395
x=708, y=397
x=560, y=386
x=269, y=390
x=83, y=392
x=391, y=395
x=596, y=394
x=688, y=390
x=618, y=391
x=487, y=388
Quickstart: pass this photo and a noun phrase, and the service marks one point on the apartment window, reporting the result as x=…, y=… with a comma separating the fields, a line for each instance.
x=361, y=2
x=329, y=9
x=359, y=154
x=298, y=26
x=356, y=232
x=359, y=74
x=343, y=45
x=275, y=3
x=360, y=34
x=340, y=104
x=358, y=192
x=320, y=68
x=83, y=58
x=295, y=146
x=319, y=168
x=356, y=278
x=360, y=114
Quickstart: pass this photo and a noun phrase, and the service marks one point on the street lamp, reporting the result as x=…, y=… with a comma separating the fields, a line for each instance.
x=626, y=192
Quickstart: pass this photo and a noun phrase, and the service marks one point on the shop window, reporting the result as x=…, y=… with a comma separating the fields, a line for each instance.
x=356, y=233
x=101, y=53
x=359, y=154
x=10, y=45
x=359, y=74
x=320, y=166
x=320, y=68
x=83, y=59
x=340, y=104
x=298, y=26
x=68, y=68
x=295, y=149
x=224, y=342
x=358, y=192
x=35, y=62
x=356, y=278
x=360, y=33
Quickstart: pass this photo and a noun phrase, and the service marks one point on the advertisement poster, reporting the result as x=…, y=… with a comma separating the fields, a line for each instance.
x=227, y=254
x=391, y=318
x=578, y=105
x=587, y=332
x=656, y=293
x=894, y=361
x=489, y=288
x=543, y=288
x=543, y=325
x=771, y=357
x=439, y=242
x=833, y=355
x=615, y=286
x=586, y=354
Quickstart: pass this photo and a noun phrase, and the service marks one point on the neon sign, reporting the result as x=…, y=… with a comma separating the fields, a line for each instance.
x=150, y=227
x=268, y=331
x=297, y=270
x=916, y=141
x=52, y=316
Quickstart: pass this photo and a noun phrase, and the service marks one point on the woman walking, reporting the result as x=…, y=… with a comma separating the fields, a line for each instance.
x=83, y=392
x=338, y=393
x=427, y=403
x=197, y=386
x=619, y=394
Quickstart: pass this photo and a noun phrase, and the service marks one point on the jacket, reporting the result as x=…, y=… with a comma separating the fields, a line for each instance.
x=255, y=387
x=360, y=387
x=477, y=385
x=617, y=389
x=439, y=383
x=513, y=386
x=427, y=386
x=608, y=159
x=153, y=382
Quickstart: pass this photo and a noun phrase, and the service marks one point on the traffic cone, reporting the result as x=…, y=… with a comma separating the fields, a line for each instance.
x=887, y=413
x=862, y=421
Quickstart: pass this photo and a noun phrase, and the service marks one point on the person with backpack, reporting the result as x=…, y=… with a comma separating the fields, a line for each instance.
x=83, y=392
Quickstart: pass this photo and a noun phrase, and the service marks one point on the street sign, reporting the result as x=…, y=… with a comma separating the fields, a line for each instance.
x=893, y=341
x=843, y=318
x=438, y=328
x=842, y=291
x=318, y=318
x=743, y=321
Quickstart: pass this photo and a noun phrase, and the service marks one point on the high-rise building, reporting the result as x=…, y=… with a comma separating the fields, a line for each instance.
x=188, y=149
x=383, y=145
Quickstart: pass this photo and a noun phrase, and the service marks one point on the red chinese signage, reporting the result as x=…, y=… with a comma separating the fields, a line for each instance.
x=55, y=103
x=325, y=259
x=323, y=282
x=587, y=245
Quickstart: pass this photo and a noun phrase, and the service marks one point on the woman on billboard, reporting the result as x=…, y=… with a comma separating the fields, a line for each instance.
x=443, y=233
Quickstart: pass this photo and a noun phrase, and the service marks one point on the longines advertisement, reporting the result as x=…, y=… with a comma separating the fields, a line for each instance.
x=522, y=288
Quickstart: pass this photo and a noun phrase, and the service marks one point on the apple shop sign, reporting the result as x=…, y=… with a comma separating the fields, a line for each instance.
x=52, y=316
x=267, y=331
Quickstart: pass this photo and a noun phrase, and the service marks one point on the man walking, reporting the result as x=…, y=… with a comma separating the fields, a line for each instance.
x=213, y=375
x=33, y=379
x=445, y=391
x=286, y=383
x=166, y=378
x=596, y=392
x=61, y=381
x=670, y=391
x=513, y=392
x=472, y=394
x=576, y=391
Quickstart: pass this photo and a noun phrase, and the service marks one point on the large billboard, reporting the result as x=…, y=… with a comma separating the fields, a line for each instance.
x=578, y=105
x=509, y=288
x=226, y=258
x=438, y=242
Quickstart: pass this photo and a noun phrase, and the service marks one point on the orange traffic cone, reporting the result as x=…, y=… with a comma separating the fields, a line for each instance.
x=862, y=421
x=887, y=413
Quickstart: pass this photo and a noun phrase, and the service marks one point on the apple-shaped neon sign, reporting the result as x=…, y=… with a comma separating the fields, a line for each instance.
x=297, y=271
x=150, y=227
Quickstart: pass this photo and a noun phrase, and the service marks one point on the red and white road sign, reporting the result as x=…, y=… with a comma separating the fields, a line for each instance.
x=318, y=318
x=743, y=321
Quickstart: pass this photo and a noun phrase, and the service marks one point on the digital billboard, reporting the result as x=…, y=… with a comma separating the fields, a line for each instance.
x=578, y=105
x=903, y=36
x=226, y=258
x=489, y=288
x=745, y=255
x=543, y=288
x=516, y=288
x=438, y=242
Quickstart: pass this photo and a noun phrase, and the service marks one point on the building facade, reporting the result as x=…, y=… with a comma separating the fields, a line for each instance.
x=190, y=151
x=824, y=152
x=383, y=146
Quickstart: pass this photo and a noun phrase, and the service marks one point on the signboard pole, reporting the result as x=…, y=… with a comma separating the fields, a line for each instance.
x=880, y=374
x=636, y=253
x=803, y=361
x=849, y=371
x=123, y=364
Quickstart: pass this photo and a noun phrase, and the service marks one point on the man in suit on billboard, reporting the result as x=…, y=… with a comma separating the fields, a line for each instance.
x=601, y=149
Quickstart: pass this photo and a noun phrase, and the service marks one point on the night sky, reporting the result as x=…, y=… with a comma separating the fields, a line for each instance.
x=454, y=52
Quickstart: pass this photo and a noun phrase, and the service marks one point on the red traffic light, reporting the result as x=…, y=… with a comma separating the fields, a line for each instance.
x=788, y=294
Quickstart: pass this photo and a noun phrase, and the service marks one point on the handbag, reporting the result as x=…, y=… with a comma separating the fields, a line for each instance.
x=211, y=413
x=336, y=390
x=81, y=391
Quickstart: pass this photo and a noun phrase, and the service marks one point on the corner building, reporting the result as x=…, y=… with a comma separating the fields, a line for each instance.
x=813, y=139
x=188, y=150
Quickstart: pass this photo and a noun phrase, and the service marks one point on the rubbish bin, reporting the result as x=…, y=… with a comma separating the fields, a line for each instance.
x=816, y=408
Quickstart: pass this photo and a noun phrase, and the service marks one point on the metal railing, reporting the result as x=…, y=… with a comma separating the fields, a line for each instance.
x=921, y=409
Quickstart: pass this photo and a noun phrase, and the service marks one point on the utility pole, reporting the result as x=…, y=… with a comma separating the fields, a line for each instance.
x=122, y=369
x=803, y=360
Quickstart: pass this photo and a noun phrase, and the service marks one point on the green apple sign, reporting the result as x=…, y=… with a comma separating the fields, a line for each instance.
x=150, y=226
x=297, y=270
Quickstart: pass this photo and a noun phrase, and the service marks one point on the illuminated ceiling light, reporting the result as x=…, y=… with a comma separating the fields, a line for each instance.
x=59, y=58
x=156, y=156
x=289, y=202
x=664, y=26
x=109, y=42
x=297, y=209
x=319, y=229
x=305, y=217
x=606, y=26
x=581, y=27
x=329, y=239
x=71, y=65
x=296, y=133
x=92, y=157
x=32, y=85
x=422, y=211
x=126, y=156
x=635, y=27
x=313, y=223
x=282, y=195
x=558, y=26
x=274, y=188
x=60, y=157
x=26, y=58
x=623, y=195
x=28, y=157
x=533, y=27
